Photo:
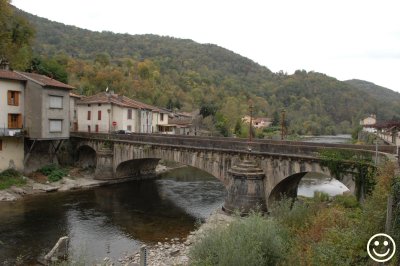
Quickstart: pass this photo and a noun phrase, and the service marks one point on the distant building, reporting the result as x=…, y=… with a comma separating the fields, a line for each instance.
x=108, y=112
x=368, y=123
x=258, y=122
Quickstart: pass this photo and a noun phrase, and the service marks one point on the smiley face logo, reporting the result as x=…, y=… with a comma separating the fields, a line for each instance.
x=381, y=247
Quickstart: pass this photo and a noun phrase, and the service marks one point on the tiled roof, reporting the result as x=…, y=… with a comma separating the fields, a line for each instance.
x=75, y=95
x=7, y=74
x=120, y=100
x=44, y=80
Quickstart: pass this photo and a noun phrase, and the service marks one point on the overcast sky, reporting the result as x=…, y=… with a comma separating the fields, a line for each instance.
x=345, y=39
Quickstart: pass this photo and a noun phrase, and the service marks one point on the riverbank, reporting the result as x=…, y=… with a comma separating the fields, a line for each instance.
x=175, y=251
x=76, y=179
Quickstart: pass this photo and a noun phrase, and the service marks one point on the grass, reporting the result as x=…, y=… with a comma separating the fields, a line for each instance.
x=11, y=177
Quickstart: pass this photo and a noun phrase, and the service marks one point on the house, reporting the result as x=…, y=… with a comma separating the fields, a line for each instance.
x=46, y=107
x=12, y=116
x=257, y=122
x=34, y=113
x=73, y=112
x=368, y=123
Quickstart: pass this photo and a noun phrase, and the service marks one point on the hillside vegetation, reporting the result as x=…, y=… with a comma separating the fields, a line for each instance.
x=186, y=75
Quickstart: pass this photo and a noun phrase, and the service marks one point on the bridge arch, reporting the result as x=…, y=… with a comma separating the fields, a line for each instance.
x=289, y=185
x=86, y=156
x=136, y=167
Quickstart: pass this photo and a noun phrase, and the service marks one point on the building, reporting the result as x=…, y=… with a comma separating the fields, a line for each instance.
x=368, y=123
x=258, y=122
x=34, y=113
x=73, y=111
x=12, y=116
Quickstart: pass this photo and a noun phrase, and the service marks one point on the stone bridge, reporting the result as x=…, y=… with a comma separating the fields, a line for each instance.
x=283, y=163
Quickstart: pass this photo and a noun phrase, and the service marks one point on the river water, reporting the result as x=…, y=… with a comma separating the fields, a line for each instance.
x=116, y=220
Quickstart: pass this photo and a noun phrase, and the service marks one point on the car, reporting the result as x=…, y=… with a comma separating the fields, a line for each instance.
x=123, y=132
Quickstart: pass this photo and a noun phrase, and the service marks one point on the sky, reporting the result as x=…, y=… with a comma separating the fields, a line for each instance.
x=345, y=39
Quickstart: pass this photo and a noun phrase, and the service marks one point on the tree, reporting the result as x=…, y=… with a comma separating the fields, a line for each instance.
x=275, y=119
x=208, y=109
x=16, y=36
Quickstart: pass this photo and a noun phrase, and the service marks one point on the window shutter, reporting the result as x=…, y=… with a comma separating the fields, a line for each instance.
x=17, y=98
x=9, y=98
x=99, y=115
x=9, y=121
x=19, y=121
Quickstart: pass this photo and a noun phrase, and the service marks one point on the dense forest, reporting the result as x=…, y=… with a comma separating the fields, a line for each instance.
x=185, y=75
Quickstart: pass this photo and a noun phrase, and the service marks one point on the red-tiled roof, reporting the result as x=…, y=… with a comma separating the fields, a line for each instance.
x=116, y=99
x=7, y=74
x=44, y=80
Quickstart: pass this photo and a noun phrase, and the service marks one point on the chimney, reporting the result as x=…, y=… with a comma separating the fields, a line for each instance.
x=4, y=65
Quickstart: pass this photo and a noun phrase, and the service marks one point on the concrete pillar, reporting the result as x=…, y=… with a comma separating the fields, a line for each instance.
x=246, y=188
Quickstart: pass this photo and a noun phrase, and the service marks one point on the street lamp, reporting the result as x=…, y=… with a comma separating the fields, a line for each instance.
x=283, y=113
x=251, y=118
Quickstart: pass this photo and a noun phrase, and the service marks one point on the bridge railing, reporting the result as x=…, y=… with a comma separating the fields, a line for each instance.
x=236, y=144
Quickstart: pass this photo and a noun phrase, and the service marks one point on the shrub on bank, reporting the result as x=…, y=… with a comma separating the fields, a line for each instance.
x=11, y=177
x=53, y=172
x=253, y=240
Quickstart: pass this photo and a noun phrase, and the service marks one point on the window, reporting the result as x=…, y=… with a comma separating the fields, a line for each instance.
x=55, y=125
x=88, y=105
x=13, y=98
x=162, y=117
x=129, y=128
x=74, y=113
x=99, y=104
x=129, y=113
x=14, y=121
x=99, y=115
x=89, y=115
x=97, y=128
x=56, y=102
x=88, y=129
x=1, y=145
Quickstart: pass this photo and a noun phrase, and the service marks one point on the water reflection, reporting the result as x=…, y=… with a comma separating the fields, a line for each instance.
x=108, y=221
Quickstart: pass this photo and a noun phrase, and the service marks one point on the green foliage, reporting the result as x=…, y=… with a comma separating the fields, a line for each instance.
x=53, y=172
x=11, y=177
x=16, y=36
x=182, y=74
x=395, y=232
x=49, y=67
x=358, y=165
x=253, y=240
x=347, y=201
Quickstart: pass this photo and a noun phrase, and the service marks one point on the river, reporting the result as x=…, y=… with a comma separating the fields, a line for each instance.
x=116, y=220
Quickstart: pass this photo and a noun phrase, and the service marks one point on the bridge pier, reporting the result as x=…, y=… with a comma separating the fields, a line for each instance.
x=104, y=165
x=246, y=188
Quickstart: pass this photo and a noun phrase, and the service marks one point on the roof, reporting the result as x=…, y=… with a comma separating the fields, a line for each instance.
x=7, y=74
x=44, y=80
x=76, y=95
x=120, y=100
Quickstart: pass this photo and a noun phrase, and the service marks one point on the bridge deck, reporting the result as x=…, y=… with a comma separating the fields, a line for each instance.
x=293, y=148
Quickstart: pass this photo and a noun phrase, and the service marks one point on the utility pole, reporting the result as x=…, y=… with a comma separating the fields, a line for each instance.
x=283, y=113
x=251, y=119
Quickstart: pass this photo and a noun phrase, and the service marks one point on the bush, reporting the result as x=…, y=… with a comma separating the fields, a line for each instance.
x=53, y=172
x=11, y=177
x=253, y=240
x=47, y=169
x=347, y=201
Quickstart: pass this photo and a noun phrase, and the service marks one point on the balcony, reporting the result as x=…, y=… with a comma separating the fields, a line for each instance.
x=8, y=132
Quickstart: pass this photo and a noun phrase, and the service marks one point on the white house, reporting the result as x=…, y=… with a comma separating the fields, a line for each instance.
x=368, y=123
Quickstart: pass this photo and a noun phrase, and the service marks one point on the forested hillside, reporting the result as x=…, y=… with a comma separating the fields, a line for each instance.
x=186, y=75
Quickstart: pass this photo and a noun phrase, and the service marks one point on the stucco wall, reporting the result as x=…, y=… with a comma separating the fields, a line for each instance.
x=12, y=153
x=5, y=109
x=57, y=114
x=33, y=109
